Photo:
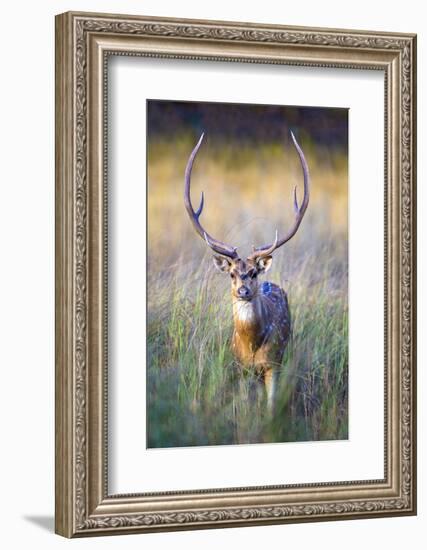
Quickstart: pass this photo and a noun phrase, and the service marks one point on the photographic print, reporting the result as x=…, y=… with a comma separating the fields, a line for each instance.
x=247, y=275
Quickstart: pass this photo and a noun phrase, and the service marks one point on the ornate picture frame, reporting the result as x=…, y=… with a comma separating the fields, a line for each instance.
x=84, y=42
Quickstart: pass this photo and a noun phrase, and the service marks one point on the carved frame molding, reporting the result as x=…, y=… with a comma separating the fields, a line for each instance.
x=83, y=43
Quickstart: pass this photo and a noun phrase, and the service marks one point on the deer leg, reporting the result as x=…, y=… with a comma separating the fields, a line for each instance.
x=270, y=381
x=255, y=390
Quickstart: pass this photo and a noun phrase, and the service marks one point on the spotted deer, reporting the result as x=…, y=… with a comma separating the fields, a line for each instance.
x=262, y=321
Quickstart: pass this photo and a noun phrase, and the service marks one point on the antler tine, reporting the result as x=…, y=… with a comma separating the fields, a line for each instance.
x=266, y=250
x=212, y=244
x=217, y=246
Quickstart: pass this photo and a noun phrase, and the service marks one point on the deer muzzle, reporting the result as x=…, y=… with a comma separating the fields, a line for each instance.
x=244, y=292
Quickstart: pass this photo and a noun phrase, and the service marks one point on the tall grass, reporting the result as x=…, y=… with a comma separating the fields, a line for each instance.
x=196, y=393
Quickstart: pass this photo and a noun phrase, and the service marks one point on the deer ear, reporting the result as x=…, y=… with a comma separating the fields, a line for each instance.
x=222, y=264
x=264, y=264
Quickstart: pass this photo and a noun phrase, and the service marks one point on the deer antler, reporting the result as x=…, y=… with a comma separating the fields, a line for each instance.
x=266, y=250
x=217, y=246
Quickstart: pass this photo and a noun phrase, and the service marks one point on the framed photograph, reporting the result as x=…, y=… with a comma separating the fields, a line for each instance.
x=235, y=274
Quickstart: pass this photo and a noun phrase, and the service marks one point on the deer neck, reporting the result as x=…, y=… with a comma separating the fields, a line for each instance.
x=249, y=317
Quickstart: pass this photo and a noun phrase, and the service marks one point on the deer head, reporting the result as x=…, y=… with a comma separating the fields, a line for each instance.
x=244, y=273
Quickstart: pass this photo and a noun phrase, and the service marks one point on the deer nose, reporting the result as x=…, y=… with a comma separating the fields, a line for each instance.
x=243, y=291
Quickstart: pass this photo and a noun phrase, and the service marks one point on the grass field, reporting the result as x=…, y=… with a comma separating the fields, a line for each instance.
x=196, y=395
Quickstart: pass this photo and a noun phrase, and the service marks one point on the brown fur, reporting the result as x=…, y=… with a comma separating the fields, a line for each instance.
x=260, y=339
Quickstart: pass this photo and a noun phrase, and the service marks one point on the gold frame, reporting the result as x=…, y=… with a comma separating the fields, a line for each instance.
x=83, y=43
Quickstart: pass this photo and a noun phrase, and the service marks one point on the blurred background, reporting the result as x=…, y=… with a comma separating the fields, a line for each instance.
x=247, y=168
